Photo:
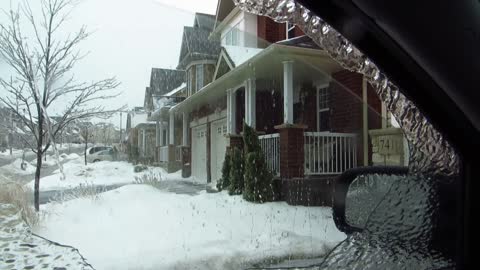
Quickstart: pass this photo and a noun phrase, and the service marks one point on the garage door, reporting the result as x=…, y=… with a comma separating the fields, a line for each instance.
x=218, y=147
x=199, y=153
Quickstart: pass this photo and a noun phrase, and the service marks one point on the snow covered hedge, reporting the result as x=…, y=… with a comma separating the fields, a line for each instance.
x=245, y=172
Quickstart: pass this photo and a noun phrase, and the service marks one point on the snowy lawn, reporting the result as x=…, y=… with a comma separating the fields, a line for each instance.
x=141, y=227
x=16, y=167
x=76, y=174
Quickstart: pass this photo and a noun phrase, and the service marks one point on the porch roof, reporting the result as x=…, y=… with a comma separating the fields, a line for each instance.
x=310, y=64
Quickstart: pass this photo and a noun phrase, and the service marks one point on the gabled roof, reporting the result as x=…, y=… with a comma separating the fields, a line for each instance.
x=204, y=21
x=164, y=80
x=238, y=54
x=233, y=56
x=224, y=7
x=196, y=44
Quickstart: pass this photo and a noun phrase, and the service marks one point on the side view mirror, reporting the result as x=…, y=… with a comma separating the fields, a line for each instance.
x=359, y=191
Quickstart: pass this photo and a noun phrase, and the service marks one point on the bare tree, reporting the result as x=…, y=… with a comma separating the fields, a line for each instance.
x=85, y=134
x=42, y=64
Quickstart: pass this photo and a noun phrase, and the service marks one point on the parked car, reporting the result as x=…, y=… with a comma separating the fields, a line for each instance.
x=96, y=149
x=103, y=155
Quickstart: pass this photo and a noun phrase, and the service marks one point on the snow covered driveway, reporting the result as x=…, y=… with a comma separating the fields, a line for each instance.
x=141, y=227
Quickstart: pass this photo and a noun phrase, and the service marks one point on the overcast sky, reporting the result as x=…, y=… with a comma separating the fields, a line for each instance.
x=129, y=38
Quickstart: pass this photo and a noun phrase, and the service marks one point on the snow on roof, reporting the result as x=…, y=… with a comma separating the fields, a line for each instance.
x=138, y=118
x=176, y=90
x=239, y=54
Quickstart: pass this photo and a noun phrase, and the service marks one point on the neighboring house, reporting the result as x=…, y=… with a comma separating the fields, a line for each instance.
x=136, y=135
x=313, y=115
x=198, y=57
x=13, y=132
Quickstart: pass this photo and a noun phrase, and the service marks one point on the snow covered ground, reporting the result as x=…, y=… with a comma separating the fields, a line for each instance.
x=16, y=167
x=98, y=173
x=140, y=227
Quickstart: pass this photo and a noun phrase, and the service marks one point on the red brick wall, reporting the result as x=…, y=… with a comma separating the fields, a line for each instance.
x=298, y=32
x=269, y=31
x=374, y=109
x=346, y=102
x=346, y=107
x=305, y=111
x=267, y=114
x=291, y=153
x=269, y=111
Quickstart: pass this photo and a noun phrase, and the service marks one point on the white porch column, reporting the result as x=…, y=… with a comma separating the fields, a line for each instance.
x=288, y=92
x=161, y=127
x=157, y=133
x=231, y=112
x=185, y=129
x=171, y=129
x=250, y=107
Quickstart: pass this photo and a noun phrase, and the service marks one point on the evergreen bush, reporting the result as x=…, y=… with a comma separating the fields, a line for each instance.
x=236, y=172
x=258, y=180
x=224, y=182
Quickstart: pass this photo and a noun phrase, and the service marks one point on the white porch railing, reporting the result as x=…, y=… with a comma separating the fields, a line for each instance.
x=329, y=153
x=163, y=155
x=178, y=153
x=270, y=145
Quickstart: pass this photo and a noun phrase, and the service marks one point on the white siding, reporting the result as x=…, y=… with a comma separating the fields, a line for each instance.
x=247, y=26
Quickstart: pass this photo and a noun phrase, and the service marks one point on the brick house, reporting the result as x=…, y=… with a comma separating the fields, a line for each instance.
x=312, y=115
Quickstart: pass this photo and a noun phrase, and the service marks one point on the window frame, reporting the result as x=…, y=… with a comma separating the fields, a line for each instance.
x=289, y=30
x=199, y=76
x=326, y=108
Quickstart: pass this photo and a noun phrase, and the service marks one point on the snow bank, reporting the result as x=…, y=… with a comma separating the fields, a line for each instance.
x=140, y=227
x=98, y=173
x=16, y=167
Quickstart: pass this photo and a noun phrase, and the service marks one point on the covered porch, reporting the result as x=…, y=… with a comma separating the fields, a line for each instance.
x=284, y=92
x=169, y=139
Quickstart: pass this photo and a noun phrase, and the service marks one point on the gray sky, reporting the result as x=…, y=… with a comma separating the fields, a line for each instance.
x=129, y=38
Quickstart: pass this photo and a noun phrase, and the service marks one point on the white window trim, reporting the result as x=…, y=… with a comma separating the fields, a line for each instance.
x=230, y=32
x=319, y=111
x=287, y=29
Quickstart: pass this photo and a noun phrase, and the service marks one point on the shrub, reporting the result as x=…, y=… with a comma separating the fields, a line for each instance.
x=21, y=198
x=150, y=178
x=140, y=168
x=224, y=182
x=86, y=190
x=236, y=172
x=258, y=179
x=250, y=139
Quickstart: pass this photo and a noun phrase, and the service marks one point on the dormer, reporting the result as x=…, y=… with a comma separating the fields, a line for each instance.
x=199, y=53
x=238, y=28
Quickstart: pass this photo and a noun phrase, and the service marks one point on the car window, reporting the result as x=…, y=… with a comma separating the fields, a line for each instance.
x=231, y=126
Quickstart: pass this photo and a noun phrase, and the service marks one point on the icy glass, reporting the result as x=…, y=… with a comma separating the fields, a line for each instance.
x=364, y=195
x=161, y=203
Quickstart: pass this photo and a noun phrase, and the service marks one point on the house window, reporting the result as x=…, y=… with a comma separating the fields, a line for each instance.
x=191, y=80
x=199, y=79
x=232, y=37
x=323, y=105
x=290, y=30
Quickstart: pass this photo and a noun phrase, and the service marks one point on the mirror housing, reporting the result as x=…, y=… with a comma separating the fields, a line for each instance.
x=342, y=186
